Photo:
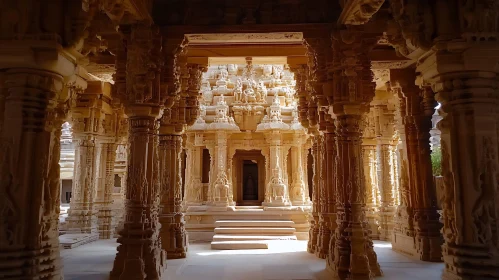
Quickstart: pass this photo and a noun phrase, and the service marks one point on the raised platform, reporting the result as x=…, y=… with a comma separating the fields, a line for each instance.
x=73, y=240
x=201, y=221
x=251, y=234
x=239, y=245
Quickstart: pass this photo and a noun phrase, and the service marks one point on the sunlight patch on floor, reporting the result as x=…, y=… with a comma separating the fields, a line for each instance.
x=275, y=247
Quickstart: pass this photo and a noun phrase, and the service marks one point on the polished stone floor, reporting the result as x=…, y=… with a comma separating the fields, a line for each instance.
x=284, y=260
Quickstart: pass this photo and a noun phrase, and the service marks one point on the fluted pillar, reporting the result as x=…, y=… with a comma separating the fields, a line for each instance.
x=173, y=235
x=29, y=174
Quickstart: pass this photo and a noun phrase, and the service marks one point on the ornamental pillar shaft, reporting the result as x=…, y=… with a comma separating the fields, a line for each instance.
x=29, y=175
x=314, y=217
x=105, y=184
x=82, y=212
x=464, y=75
x=171, y=218
x=140, y=254
x=351, y=251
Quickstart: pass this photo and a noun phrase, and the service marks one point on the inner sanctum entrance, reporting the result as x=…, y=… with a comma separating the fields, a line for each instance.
x=250, y=180
x=250, y=177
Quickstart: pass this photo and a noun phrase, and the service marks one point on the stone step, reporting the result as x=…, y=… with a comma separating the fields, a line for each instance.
x=239, y=245
x=245, y=237
x=73, y=240
x=254, y=223
x=255, y=230
x=248, y=207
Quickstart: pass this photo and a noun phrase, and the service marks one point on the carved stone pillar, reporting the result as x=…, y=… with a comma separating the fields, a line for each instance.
x=173, y=235
x=351, y=251
x=384, y=132
x=29, y=174
x=105, y=184
x=277, y=190
x=140, y=254
x=320, y=169
x=417, y=122
x=193, y=186
x=464, y=75
x=82, y=213
x=221, y=189
x=314, y=217
x=327, y=216
x=298, y=192
x=371, y=183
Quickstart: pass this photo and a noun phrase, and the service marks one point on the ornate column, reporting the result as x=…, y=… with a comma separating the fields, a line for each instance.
x=464, y=74
x=105, y=184
x=298, y=194
x=327, y=216
x=82, y=213
x=417, y=121
x=403, y=230
x=193, y=186
x=314, y=217
x=140, y=254
x=276, y=193
x=370, y=173
x=29, y=173
x=173, y=235
x=172, y=232
x=352, y=255
x=222, y=188
x=384, y=135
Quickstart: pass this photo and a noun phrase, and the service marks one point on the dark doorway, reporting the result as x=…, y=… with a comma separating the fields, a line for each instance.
x=250, y=180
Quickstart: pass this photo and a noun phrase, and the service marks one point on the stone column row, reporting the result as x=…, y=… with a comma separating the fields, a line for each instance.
x=422, y=237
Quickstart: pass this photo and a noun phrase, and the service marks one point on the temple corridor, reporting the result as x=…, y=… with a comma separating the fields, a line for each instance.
x=141, y=139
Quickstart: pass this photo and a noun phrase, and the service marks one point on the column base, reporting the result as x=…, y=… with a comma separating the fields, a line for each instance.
x=373, y=224
x=31, y=264
x=173, y=235
x=313, y=232
x=327, y=227
x=386, y=224
x=276, y=204
x=469, y=262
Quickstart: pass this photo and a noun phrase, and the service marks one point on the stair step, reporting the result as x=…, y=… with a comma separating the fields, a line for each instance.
x=239, y=245
x=254, y=230
x=253, y=223
x=249, y=207
x=245, y=237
